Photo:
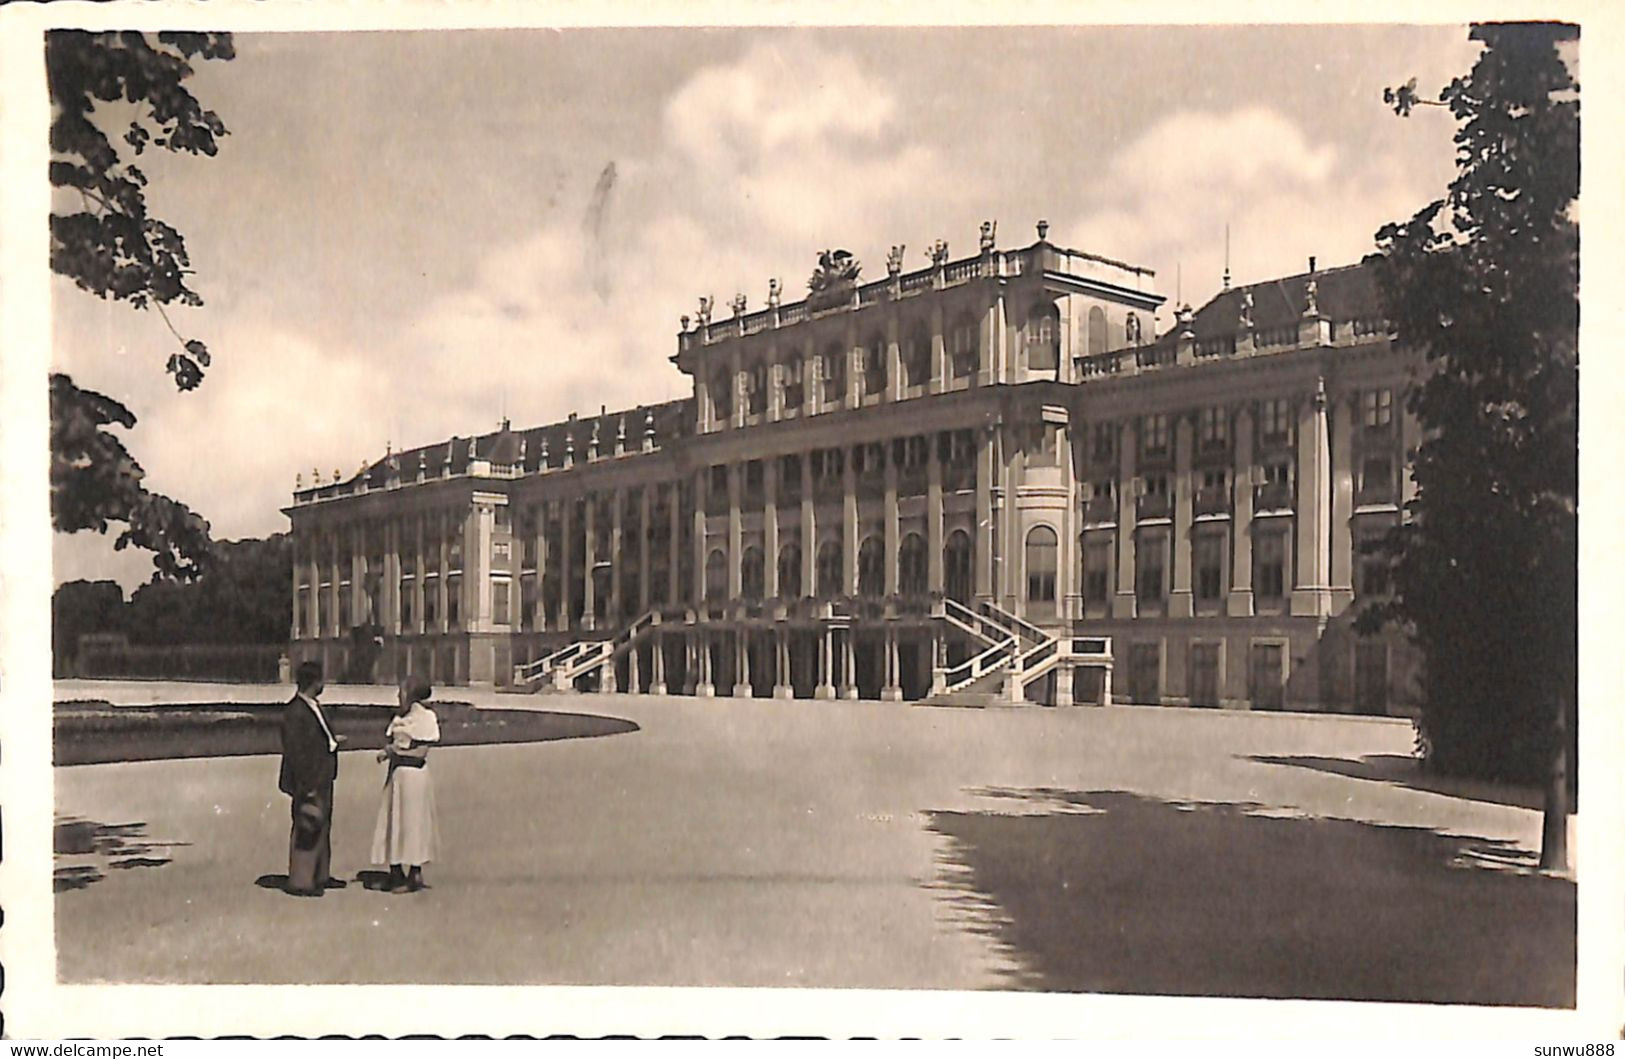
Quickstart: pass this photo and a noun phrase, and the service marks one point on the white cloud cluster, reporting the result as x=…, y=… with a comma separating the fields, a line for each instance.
x=1171, y=193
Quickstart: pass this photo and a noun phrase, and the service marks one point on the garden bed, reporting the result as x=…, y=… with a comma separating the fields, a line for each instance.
x=95, y=732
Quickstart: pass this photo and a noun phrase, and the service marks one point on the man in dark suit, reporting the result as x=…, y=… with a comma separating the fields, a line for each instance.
x=310, y=764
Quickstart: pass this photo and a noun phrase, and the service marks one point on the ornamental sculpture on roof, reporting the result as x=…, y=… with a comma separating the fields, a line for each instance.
x=1245, y=320
x=773, y=292
x=990, y=230
x=1311, y=294
x=832, y=281
x=704, y=312
x=894, y=259
x=738, y=304
x=938, y=253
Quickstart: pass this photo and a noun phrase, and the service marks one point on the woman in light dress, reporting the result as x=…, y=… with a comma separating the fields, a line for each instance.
x=406, y=836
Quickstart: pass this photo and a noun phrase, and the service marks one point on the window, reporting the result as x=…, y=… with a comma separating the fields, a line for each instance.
x=500, y=551
x=1156, y=485
x=917, y=358
x=795, y=393
x=431, y=603
x=527, y=604
x=1214, y=429
x=1154, y=439
x=962, y=347
x=832, y=375
x=829, y=569
x=756, y=388
x=871, y=567
x=789, y=483
x=869, y=460
x=1149, y=565
x=752, y=574
x=717, y=486
x=753, y=477
x=1371, y=569
x=454, y=602
x=911, y=571
x=1376, y=480
x=1208, y=558
x=1378, y=408
x=1043, y=338
x=1103, y=442
x=501, y=601
x=1042, y=550
x=1097, y=330
x=716, y=575
x=1275, y=422
x=454, y=552
x=874, y=365
x=1097, y=566
x=721, y=396
x=956, y=562
x=1269, y=566
x=406, y=606
x=790, y=571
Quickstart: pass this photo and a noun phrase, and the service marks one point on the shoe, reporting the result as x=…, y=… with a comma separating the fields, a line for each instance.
x=334, y=884
x=414, y=881
x=295, y=892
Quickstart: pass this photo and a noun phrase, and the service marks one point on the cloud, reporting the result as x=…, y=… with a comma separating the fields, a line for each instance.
x=1172, y=191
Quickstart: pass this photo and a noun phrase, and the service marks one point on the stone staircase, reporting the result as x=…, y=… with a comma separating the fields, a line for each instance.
x=560, y=670
x=1014, y=654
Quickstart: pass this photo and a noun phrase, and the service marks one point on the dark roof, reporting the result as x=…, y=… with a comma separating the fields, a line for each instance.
x=1346, y=293
x=671, y=419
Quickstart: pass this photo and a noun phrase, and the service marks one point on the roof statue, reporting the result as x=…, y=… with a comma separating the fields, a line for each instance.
x=837, y=273
x=773, y=292
x=938, y=253
x=990, y=230
x=1311, y=295
x=704, y=313
x=894, y=259
x=1131, y=329
x=1245, y=320
x=738, y=304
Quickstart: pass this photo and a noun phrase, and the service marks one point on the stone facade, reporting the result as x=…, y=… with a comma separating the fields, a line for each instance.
x=1005, y=430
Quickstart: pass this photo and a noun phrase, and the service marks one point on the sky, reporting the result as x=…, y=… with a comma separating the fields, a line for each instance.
x=410, y=235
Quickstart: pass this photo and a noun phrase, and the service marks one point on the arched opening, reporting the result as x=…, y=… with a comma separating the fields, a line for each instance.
x=752, y=574
x=911, y=572
x=795, y=394
x=832, y=374
x=917, y=357
x=1097, y=330
x=1043, y=338
x=874, y=365
x=871, y=567
x=722, y=392
x=963, y=352
x=956, y=566
x=790, y=571
x=1043, y=547
x=716, y=575
x=756, y=381
x=829, y=569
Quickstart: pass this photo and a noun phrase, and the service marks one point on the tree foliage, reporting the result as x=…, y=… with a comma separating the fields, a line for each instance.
x=107, y=241
x=1485, y=280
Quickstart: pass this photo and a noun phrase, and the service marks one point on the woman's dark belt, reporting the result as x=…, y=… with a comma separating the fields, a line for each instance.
x=407, y=762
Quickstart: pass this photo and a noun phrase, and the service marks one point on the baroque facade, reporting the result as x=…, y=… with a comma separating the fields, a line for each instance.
x=990, y=479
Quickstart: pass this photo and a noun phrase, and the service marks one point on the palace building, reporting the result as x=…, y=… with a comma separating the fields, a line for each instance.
x=990, y=480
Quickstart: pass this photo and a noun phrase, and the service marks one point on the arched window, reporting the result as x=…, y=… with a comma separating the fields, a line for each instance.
x=1097, y=330
x=795, y=394
x=832, y=374
x=790, y=571
x=752, y=574
x=1042, y=549
x=963, y=351
x=756, y=377
x=722, y=396
x=716, y=575
x=829, y=569
x=874, y=364
x=871, y=567
x=1043, y=338
x=956, y=566
x=917, y=357
x=911, y=574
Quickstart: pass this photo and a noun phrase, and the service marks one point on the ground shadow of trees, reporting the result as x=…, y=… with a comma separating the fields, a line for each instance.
x=1407, y=770
x=1114, y=892
x=118, y=847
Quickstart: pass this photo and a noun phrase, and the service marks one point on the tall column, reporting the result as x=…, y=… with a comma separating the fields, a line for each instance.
x=359, y=601
x=1179, y=597
x=809, y=530
x=296, y=626
x=542, y=560
x=645, y=531
x=617, y=550
x=705, y=689
x=477, y=568
x=894, y=362
x=892, y=691
x=633, y=684
x=674, y=548
x=889, y=520
x=1311, y=592
x=849, y=525
x=742, y=689
x=825, y=645
x=657, y=664
x=939, y=358
x=935, y=578
x=589, y=560
x=810, y=395
x=442, y=589
x=390, y=611
x=770, y=527
x=1240, y=601
x=849, y=663
x=735, y=533
x=420, y=563
x=783, y=686
x=335, y=607
x=1341, y=558
x=566, y=560
x=984, y=515
x=1129, y=439
x=701, y=484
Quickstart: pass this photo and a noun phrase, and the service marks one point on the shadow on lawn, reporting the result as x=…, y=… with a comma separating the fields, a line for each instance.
x=1113, y=892
x=118, y=846
x=1406, y=771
